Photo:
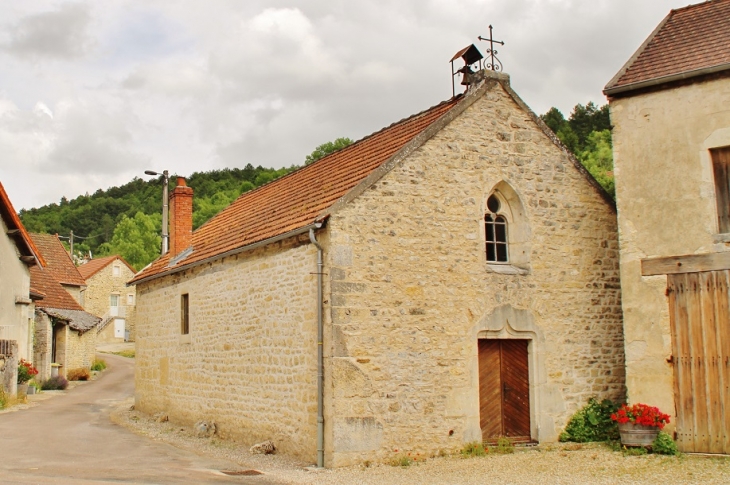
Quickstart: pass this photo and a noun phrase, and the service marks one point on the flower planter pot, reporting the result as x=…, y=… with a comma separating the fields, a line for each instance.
x=22, y=390
x=637, y=434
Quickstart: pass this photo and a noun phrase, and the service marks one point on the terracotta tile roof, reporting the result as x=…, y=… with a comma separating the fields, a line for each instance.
x=55, y=296
x=36, y=294
x=25, y=244
x=297, y=199
x=57, y=302
x=689, y=39
x=58, y=261
x=90, y=268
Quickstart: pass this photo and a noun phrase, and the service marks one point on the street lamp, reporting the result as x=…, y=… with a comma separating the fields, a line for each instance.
x=165, y=182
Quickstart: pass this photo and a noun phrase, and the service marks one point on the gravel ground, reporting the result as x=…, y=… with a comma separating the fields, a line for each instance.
x=548, y=464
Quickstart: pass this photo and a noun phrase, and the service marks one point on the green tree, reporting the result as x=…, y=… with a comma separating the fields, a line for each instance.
x=554, y=119
x=327, y=148
x=584, y=120
x=569, y=138
x=597, y=158
x=136, y=239
x=207, y=207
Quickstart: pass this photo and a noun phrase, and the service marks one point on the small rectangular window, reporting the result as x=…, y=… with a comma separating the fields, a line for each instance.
x=116, y=270
x=184, y=314
x=114, y=300
x=130, y=299
x=721, y=169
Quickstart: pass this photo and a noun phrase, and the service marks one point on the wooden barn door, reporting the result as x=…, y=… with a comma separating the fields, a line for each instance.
x=698, y=309
x=504, y=389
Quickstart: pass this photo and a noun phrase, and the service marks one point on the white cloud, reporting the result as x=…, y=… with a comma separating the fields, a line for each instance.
x=116, y=87
x=59, y=33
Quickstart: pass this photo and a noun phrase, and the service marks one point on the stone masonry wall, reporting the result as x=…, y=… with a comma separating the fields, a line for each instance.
x=249, y=361
x=42, y=342
x=100, y=287
x=411, y=291
x=665, y=192
x=80, y=350
x=14, y=285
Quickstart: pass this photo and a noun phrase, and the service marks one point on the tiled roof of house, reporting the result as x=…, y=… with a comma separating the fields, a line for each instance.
x=57, y=302
x=297, y=199
x=25, y=244
x=58, y=261
x=689, y=41
x=55, y=296
x=92, y=267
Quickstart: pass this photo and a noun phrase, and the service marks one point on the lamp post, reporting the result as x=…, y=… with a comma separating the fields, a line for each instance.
x=165, y=182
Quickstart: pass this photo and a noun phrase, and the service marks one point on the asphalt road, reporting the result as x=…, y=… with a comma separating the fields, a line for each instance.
x=69, y=439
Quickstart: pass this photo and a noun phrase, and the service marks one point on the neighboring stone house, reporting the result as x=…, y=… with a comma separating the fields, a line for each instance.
x=469, y=290
x=670, y=108
x=64, y=333
x=108, y=297
x=17, y=253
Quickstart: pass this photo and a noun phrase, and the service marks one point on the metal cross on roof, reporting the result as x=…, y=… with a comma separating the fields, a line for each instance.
x=496, y=64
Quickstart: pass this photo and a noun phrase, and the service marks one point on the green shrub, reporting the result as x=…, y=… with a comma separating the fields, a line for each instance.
x=401, y=460
x=98, y=364
x=634, y=451
x=3, y=398
x=55, y=383
x=126, y=353
x=664, y=445
x=592, y=423
x=472, y=449
x=504, y=446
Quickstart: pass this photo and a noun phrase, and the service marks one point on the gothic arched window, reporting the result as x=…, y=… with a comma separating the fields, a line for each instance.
x=495, y=230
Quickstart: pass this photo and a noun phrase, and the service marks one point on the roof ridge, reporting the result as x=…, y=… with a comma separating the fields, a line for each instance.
x=694, y=5
x=402, y=120
x=351, y=146
x=687, y=43
x=6, y=205
x=296, y=200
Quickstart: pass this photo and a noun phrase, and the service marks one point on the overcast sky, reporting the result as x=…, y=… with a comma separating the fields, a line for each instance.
x=93, y=93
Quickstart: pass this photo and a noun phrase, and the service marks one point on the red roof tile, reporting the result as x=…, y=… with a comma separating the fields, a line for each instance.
x=297, y=199
x=56, y=301
x=12, y=221
x=55, y=296
x=59, y=269
x=689, y=39
x=90, y=268
x=58, y=261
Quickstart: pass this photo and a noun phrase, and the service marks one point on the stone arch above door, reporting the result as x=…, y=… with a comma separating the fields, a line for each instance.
x=506, y=322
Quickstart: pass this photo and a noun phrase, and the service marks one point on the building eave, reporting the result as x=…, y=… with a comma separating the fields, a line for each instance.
x=682, y=76
x=232, y=252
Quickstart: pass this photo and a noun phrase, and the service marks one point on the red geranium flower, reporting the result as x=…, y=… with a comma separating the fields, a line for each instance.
x=641, y=414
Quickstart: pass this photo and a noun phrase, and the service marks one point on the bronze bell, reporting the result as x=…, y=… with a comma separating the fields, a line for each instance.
x=466, y=78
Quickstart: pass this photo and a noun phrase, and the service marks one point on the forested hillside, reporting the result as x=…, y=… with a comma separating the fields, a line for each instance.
x=127, y=220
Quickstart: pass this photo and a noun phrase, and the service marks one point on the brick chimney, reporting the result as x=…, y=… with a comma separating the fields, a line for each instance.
x=181, y=217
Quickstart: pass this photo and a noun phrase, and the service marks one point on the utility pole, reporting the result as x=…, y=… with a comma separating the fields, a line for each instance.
x=165, y=183
x=71, y=243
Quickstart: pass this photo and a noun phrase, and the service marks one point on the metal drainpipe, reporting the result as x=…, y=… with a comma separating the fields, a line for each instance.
x=320, y=355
